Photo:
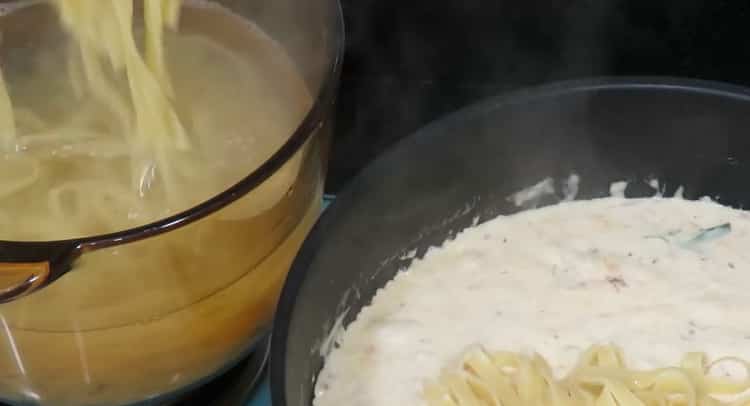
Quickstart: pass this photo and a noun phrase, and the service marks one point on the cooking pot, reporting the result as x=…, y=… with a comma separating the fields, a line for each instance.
x=462, y=169
x=93, y=321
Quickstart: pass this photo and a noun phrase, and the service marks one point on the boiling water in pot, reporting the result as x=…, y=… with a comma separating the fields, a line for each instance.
x=73, y=175
x=151, y=317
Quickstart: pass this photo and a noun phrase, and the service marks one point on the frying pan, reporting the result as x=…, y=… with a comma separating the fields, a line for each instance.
x=462, y=168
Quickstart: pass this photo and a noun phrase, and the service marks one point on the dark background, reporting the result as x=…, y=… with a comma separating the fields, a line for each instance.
x=410, y=61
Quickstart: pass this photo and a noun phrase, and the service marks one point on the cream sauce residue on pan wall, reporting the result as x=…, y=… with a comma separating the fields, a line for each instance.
x=644, y=274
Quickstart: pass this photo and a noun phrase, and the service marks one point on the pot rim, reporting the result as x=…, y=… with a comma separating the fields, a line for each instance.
x=36, y=264
x=313, y=120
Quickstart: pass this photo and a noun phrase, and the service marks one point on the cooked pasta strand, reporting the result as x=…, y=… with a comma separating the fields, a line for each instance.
x=601, y=378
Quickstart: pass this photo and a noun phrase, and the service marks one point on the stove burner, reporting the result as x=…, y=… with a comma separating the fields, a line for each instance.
x=232, y=388
x=235, y=387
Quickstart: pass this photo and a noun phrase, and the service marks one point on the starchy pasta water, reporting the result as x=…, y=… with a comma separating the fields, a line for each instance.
x=99, y=121
x=116, y=113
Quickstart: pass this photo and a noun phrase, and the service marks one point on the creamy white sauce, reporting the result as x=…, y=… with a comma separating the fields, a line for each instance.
x=643, y=274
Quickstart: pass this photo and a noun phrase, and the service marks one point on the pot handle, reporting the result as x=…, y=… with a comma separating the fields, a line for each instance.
x=29, y=266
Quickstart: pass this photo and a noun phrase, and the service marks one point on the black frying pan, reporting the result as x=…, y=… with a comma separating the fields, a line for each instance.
x=689, y=133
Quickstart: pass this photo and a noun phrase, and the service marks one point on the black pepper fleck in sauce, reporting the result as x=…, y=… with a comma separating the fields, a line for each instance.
x=617, y=282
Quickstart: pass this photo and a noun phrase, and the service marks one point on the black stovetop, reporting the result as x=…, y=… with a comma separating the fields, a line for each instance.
x=409, y=62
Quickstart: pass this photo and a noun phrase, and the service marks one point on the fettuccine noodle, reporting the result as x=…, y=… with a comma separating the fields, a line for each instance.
x=600, y=379
x=7, y=122
x=103, y=31
x=146, y=126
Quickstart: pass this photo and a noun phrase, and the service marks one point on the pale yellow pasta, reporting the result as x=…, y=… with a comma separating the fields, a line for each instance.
x=154, y=19
x=7, y=124
x=601, y=378
x=171, y=11
x=123, y=107
x=102, y=30
x=145, y=127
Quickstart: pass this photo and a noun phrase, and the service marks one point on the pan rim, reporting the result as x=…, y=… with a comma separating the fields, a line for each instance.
x=297, y=276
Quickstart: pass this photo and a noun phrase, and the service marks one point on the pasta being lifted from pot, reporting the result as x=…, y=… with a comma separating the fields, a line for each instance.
x=144, y=125
x=133, y=113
